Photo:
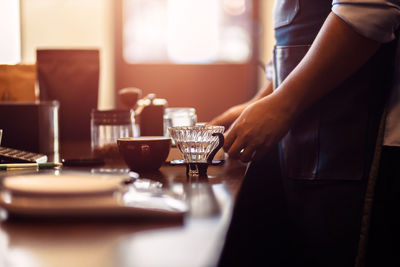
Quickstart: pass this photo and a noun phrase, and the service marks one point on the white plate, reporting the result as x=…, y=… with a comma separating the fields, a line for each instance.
x=86, y=195
x=66, y=184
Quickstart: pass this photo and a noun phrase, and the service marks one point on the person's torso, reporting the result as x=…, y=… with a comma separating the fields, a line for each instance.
x=297, y=22
x=335, y=137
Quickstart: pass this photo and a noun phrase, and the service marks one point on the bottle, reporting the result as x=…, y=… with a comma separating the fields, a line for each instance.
x=150, y=114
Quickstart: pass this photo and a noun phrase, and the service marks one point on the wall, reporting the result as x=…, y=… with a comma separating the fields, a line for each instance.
x=71, y=24
x=267, y=39
x=9, y=32
x=89, y=24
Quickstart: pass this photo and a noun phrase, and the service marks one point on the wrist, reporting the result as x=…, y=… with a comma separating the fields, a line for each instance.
x=286, y=105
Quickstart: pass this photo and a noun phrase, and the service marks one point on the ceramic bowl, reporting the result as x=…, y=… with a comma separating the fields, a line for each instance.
x=145, y=153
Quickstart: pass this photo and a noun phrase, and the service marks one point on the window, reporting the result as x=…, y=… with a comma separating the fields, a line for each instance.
x=194, y=53
x=10, y=41
x=187, y=31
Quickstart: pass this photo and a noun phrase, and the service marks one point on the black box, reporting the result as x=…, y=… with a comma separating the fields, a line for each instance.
x=30, y=126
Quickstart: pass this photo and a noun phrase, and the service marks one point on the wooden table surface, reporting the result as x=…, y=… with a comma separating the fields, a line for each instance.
x=194, y=241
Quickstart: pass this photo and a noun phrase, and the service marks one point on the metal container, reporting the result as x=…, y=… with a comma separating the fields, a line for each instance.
x=31, y=126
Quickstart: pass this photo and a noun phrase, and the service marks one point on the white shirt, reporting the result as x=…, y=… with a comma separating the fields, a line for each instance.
x=377, y=20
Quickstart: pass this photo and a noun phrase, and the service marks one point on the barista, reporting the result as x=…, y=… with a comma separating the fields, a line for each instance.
x=333, y=71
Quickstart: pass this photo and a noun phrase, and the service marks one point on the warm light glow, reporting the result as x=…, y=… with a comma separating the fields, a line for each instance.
x=193, y=30
x=235, y=45
x=145, y=30
x=11, y=255
x=234, y=7
x=187, y=31
x=6, y=196
x=10, y=44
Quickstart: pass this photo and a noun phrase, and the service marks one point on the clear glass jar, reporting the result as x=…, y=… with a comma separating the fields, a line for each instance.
x=179, y=117
x=106, y=127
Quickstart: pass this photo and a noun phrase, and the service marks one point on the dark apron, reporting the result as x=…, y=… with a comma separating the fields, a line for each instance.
x=327, y=154
x=310, y=215
x=334, y=139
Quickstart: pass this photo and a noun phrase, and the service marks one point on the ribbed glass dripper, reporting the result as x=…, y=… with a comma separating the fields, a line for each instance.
x=196, y=142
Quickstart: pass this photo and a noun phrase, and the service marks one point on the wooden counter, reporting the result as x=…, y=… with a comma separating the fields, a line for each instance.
x=195, y=241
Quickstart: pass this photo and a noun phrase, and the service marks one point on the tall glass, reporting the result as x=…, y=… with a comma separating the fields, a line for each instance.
x=179, y=116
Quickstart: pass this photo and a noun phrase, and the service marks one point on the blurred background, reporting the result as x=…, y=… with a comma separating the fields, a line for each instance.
x=205, y=54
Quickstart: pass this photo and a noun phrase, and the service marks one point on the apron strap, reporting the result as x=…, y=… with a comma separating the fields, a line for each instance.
x=369, y=196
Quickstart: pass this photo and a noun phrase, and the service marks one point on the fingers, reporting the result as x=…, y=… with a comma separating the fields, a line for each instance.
x=242, y=151
x=247, y=154
x=229, y=137
x=220, y=120
x=236, y=146
x=233, y=143
x=214, y=121
x=228, y=117
x=246, y=143
x=236, y=149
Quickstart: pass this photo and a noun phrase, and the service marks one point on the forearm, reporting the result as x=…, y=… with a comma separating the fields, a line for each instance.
x=264, y=91
x=337, y=52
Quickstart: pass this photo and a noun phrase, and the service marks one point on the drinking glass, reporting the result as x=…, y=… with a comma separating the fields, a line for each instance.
x=179, y=116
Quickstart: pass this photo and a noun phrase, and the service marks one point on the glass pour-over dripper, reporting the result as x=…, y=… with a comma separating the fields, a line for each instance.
x=198, y=144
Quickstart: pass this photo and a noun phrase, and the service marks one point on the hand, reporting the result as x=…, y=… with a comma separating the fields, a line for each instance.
x=263, y=123
x=228, y=117
x=260, y=126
